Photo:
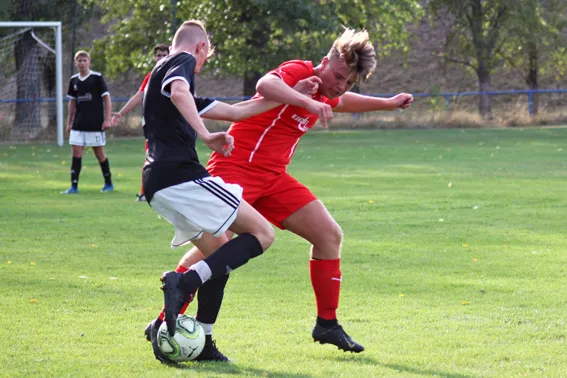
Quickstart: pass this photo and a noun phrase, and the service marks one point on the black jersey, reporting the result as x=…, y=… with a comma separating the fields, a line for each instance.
x=88, y=94
x=171, y=158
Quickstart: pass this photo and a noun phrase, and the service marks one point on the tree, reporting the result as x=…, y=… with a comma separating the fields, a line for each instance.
x=536, y=31
x=476, y=38
x=251, y=36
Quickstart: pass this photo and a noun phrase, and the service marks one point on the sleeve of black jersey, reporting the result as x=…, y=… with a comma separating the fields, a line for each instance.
x=204, y=104
x=71, y=92
x=103, y=87
x=183, y=68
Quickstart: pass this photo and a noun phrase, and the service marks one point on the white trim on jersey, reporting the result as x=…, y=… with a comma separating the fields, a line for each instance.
x=105, y=94
x=83, y=78
x=164, y=84
x=71, y=97
x=293, y=148
x=209, y=107
x=265, y=132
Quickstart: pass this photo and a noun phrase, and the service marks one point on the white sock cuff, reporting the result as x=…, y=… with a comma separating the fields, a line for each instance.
x=203, y=270
x=208, y=328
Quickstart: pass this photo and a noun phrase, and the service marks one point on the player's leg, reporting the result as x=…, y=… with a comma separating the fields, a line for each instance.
x=141, y=197
x=290, y=205
x=98, y=148
x=76, y=165
x=255, y=235
x=213, y=289
x=314, y=223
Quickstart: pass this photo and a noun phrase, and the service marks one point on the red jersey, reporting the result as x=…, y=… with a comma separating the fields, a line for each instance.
x=269, y=139
x=145, y=82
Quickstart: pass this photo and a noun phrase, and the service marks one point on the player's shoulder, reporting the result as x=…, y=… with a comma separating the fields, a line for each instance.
x=298, y=63
x=95, y=73
x=75, y=76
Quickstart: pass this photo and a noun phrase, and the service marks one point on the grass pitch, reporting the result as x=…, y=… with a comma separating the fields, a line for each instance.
x=454, y=262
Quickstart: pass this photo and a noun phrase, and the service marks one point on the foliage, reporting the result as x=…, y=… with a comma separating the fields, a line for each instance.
x=250, y=35
x=539, y=26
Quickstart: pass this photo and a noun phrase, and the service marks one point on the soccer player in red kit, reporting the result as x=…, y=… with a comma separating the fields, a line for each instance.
x=265, y=145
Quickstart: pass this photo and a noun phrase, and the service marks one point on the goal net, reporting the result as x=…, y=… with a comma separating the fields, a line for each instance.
x=31, y=93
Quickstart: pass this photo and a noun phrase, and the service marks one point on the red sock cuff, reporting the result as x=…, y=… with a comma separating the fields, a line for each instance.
x=325, y=264
x=181, y=269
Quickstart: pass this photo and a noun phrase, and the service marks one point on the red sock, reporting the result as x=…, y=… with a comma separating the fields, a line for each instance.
x=179, y=269
x=326, y=281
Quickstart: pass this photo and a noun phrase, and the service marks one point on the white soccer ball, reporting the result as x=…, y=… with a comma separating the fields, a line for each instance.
x=186, y=344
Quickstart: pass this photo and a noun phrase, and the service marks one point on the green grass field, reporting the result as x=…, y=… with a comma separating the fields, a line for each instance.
x=454, y=262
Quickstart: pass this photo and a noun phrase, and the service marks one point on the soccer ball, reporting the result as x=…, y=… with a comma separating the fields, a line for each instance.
x=186, y=344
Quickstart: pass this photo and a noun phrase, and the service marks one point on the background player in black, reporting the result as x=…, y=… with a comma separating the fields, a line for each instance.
x=88, y=116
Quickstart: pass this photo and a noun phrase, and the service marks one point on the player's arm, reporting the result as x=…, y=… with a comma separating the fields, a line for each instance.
x=134, y=102
x=356, y=103
x=183, y=100
x=246, y=109
x=70, y=113
x=107, y=111
x=273, y=88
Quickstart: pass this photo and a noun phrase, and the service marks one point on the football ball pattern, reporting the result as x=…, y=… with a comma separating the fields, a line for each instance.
x=186, y=344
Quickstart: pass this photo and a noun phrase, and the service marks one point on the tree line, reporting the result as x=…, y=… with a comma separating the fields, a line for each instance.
x=253, y=36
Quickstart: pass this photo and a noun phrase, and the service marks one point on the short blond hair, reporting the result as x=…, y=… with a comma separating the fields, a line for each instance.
x=82, y=53
x=192, y=31
x=355, y=49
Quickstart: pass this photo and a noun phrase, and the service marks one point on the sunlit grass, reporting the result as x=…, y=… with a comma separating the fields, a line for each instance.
x=453, y=261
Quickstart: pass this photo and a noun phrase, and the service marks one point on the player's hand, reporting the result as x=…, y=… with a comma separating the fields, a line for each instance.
x=402, y=100
x=106, y=125
x=308, y=86
x=116, y=118
x=68, y=129
x=321, y=110
x=222, y=143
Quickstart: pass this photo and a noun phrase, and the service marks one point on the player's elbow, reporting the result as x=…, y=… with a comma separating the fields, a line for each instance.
x=263, y=85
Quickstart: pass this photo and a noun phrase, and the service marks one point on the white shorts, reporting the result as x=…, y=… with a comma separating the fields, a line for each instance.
x=204, y=205
x=87, y=138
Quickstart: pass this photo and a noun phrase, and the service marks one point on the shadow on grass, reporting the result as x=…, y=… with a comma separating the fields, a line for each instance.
x=232, y=369
x=413, y=370
x=399, y=368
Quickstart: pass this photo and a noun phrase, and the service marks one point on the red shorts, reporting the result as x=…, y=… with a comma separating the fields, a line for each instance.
x=274, y=195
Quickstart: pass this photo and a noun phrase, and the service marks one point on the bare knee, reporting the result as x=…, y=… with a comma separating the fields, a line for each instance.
x=265, y=235
x=328, y=238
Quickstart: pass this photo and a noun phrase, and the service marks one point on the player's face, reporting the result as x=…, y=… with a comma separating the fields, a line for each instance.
x=336, y=78
x=202, y=55
x=82, y=63
x=160, y=54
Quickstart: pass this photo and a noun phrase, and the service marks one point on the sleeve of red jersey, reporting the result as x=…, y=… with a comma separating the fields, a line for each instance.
x=293, y=71
x=145, y=82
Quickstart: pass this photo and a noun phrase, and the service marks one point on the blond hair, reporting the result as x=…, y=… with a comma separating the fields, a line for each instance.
x=355, y=49
x=82, y=53
x=192, y=31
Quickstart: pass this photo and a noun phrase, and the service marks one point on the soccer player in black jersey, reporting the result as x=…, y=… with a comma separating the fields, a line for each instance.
x=200, y=207
x=88, y=116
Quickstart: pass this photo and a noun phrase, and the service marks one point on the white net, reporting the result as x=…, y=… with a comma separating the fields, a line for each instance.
x=27, y=84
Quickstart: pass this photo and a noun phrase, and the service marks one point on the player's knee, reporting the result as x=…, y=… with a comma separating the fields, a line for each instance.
x=334, y=235
x=265, y=236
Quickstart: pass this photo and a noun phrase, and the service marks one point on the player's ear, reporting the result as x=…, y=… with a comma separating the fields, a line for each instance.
x=325, y=61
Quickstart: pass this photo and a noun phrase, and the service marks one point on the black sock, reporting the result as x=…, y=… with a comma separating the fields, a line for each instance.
x=209, y=298
x=235, y=253
x=327, y=323
x=75, y=171
x=105, y=168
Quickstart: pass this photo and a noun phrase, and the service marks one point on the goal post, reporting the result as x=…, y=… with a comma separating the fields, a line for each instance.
x=45, y=48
